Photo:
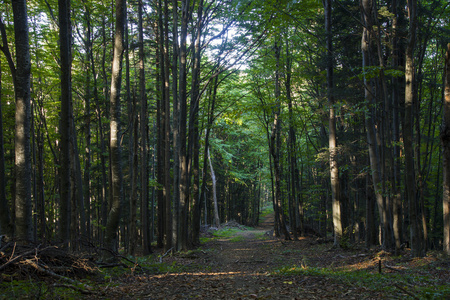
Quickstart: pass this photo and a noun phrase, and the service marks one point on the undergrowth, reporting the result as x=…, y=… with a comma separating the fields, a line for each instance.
x=417, y=285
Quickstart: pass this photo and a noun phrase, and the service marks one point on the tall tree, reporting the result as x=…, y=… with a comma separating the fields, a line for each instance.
x=334, y=169
x=275, y=144
x=184, y=184
x=65, y=198
x=6, y=227
x=22, y=83
x=115, y=133
x=417, y=245
x=373, y=144
x=194, y=131
x=143, y=118
x=445, y=139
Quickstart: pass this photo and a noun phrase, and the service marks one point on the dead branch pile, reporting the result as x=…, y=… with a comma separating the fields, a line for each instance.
x=233, y=224
x=18, y=262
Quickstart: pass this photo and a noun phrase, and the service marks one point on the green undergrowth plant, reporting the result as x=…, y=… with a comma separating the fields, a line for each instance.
x=419, y=285
x=266, y=210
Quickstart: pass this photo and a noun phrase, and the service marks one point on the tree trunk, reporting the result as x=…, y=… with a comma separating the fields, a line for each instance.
x=160, y=125
x=132, y=227
x=115, y=132
x=176, y=127
x=397, y=201
x=374, y=155
x=184, y=184
x=334, y=169
x=6, y=227
x=87, y=132
x=293, y=197
x=145, y=225
x=276, y=147
x=410, y=184
x=166, y=119
x=194, y=133
x=445, y=139
x=23, y=218
x=214, y=186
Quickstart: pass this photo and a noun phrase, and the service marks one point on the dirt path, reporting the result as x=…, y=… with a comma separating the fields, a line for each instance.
x=234, y=268
x=254, y=265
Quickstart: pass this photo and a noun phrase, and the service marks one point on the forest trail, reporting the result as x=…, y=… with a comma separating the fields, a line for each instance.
x=235, y=267
x=252, y=264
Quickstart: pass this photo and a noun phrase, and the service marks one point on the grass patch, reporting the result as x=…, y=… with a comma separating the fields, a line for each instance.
x=417, y=284
x=266, y=210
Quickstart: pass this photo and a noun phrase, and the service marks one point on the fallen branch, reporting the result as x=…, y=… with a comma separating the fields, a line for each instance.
x=165, y=254
x=13, y=260
x=393, y=269
x=112, y=265
x=406, y=292
x=88, y=289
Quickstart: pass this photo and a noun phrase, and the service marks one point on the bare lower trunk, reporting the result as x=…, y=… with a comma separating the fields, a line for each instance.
x=216, y=206
x=445, y=139
x=116, y=166
x=23, y=221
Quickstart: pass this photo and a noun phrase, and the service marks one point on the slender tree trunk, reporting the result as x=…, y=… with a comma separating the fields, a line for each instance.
x=115, y=131
x=445, y=139
x=334, y=169
x=132, y=227
x=23, y=218
x=397, y=201
x=276, y=147
x=214, y=186
x=87, y=155
x=410, y=184
x=194, y=133
x=292, y=150
x=176, y=127
x=6, y=227
x=166, y=119
x=374, y=155
x=184, y=184
x=145, y=224
x=160, y=126
x=66, y=98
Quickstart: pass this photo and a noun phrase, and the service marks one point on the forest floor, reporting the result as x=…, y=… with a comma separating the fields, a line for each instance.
x=249, y=263
x=238, y=262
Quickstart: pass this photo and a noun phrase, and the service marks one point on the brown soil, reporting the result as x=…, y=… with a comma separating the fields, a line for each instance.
x=242, y=267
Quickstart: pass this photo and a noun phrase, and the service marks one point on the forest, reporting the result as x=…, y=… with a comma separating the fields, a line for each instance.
x=134, y=126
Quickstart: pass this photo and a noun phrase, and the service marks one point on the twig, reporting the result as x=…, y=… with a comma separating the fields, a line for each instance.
x=13, y=260
x=406, y=292
x=393, y=269
x=165, y=254
x=14, y=250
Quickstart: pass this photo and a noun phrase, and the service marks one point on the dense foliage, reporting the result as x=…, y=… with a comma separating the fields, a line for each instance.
x=230, y=100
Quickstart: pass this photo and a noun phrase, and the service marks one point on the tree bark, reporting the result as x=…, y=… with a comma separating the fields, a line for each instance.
x=176, y=126
x=184, y=184
x=374, y=155
x=194, y=132
x=276, y=145
x=168, y=233
x=23, y=218
x=115, y=131
x=410, y=183
x=445, y=139
x=334, y=168
x=145, y=225
x=214, y=185
x=6, y=227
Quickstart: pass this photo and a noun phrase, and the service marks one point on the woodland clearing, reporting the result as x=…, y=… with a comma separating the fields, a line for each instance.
x=238, y=262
